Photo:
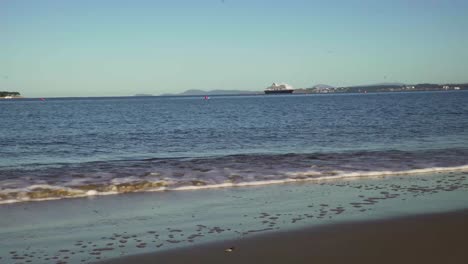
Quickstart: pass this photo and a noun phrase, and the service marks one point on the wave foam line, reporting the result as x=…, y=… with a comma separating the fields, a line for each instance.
x=311, y=176
x=363, y=174
x=301, y=177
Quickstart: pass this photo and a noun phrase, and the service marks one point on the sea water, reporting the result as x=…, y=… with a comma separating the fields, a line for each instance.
x=135, y=175
x=74, y=147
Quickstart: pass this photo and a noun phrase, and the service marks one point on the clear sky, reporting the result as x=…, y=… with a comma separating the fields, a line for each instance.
x=116, y=47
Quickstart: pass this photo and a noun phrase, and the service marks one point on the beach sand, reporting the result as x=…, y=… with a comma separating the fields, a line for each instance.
x=380, y=220
x=431, y=238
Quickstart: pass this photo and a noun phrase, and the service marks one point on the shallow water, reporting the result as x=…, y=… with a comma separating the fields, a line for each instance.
x=92, y=229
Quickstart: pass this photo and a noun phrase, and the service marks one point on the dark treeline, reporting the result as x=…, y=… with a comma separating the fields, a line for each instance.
x=5, y=93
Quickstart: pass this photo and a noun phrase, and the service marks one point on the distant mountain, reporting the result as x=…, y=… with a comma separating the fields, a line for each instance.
x=140, y=95
x=211, y=92
x=193, y=92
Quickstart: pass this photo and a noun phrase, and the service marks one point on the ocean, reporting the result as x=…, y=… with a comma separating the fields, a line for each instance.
x=84, y=180
x=77, y=147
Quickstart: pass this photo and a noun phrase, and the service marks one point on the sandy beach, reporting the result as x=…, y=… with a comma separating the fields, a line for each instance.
x=384, y=219
x=432, y=238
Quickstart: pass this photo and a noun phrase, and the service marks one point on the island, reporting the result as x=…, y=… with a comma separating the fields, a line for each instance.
x=9, y=95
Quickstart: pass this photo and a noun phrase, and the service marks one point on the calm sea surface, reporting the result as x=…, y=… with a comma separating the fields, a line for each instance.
x=87, y=146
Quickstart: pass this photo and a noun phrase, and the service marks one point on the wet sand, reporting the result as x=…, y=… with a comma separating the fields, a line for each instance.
x=88, y=230
x=432, y=238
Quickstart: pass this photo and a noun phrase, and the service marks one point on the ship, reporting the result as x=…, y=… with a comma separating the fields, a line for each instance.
x=282, y=88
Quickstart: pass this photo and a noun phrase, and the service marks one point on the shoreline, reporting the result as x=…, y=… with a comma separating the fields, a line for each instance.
x=423, y=238
x=58, y=192
x=87, y=230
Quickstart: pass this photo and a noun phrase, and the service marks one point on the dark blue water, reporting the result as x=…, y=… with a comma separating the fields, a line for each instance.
x=62, y=140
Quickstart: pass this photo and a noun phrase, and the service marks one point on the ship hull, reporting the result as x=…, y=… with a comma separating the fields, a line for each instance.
x=279, y=92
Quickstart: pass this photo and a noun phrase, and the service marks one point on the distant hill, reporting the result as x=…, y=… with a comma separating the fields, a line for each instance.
x=324, y=88
x=140, y=95
x=211, y=92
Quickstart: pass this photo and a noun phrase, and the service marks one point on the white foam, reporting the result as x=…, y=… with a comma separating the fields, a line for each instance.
x=337, y=175
x=304, y=176
x=358, y=174
x=91, y=192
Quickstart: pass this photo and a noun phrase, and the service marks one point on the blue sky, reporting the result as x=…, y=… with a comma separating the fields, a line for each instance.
x=114, y=48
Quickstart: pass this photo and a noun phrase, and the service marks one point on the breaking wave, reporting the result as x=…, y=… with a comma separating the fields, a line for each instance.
x=44, y=182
